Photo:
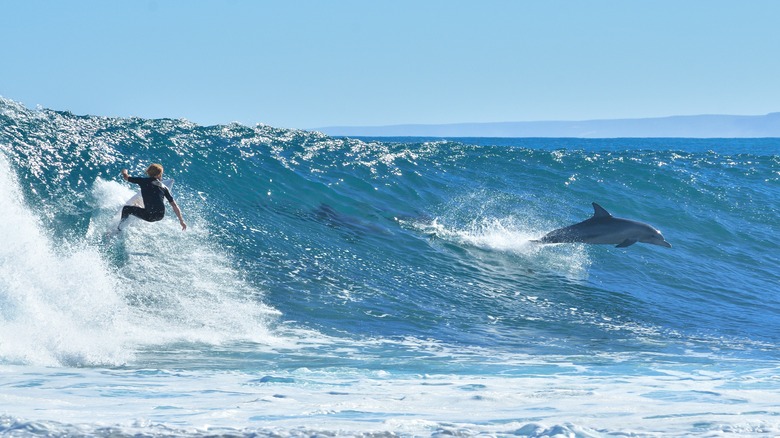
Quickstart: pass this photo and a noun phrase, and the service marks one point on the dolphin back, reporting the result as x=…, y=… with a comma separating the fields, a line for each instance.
x=603, y=228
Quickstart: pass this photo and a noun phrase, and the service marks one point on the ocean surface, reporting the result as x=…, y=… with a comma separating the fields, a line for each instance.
x=382, y=287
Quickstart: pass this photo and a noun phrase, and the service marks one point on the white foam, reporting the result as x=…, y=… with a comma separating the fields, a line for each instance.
x=98, y=301
x=180, y=286
x=668, y=402
x=110, y=194
x=512, y=236
x=58, y=301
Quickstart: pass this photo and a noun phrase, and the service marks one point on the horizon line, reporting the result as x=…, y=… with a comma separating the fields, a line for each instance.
x=617, y=119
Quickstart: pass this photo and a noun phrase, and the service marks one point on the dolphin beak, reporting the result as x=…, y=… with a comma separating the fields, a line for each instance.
x=665, y=244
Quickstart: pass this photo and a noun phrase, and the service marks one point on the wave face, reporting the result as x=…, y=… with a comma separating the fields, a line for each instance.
x=384, y=286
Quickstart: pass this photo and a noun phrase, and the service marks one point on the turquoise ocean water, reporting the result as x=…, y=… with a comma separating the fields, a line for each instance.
x=383, y=287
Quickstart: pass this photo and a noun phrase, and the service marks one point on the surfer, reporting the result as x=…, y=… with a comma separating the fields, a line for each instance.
x=153, y=192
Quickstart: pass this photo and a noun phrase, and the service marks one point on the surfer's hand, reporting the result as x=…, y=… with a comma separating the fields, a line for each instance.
x=183, y=226
x=125, y=174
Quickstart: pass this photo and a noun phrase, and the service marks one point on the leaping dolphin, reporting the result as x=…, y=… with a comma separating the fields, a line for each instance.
x=605, y=229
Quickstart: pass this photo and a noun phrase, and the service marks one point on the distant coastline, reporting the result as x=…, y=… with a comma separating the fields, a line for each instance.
x=700, y=126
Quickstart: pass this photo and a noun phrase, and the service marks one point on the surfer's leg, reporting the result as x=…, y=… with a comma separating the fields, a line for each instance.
x=141, y=213
x=152, y=217
x=128, y=210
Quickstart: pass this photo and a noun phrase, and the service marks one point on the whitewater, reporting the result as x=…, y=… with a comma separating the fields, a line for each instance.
x=382, y=287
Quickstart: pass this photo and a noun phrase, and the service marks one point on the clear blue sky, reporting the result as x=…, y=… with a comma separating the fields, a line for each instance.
x=307, y=64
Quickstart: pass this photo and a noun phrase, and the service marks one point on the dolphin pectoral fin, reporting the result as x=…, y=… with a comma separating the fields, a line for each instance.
x=626, y=243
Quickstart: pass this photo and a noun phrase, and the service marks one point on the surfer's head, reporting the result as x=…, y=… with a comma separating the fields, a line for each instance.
x=155, y=170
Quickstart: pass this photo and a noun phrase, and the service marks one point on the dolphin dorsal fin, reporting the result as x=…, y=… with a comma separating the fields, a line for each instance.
x=598, y=211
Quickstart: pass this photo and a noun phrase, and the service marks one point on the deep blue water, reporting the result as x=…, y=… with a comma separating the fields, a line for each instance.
x=360, y=280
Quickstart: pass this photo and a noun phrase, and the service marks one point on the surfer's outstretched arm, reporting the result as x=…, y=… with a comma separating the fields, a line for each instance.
x=178, y=214
x=125, y=175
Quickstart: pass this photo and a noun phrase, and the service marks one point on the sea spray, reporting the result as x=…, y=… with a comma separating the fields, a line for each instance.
x=59, y=303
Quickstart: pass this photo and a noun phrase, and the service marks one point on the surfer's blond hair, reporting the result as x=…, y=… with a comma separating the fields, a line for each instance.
x=155, y=170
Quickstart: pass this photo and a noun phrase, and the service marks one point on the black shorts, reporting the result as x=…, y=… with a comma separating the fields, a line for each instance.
x=149, y=216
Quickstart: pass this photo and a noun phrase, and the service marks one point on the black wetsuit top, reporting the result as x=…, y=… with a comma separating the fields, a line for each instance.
x=154, y=192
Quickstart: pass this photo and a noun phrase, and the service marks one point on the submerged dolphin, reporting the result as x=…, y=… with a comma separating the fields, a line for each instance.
x=603, y=228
